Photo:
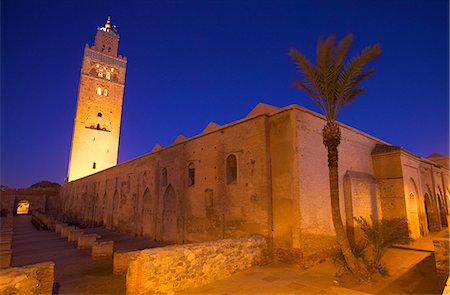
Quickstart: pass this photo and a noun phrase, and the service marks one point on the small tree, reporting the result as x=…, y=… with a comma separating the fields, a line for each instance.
x=45, y=184
x=379, y=236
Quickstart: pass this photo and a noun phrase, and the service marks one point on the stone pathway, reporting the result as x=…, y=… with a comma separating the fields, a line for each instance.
x=75, y=271
x=411, y=272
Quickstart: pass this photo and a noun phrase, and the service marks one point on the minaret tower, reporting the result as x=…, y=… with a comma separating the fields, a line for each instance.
x=95, y=140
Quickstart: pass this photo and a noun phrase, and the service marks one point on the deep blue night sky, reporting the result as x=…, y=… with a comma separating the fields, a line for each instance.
x=192, y=62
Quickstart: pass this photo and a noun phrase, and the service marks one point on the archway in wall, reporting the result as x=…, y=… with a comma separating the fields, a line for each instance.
x=23, y=207
x=148, y=215
x=427, y=204
x=114, y=215
x=170, y=224
x=442, y=211
x=413, y=212
x=413, y=217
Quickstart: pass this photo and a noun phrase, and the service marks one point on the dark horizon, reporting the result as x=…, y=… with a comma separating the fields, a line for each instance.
x=190, y=63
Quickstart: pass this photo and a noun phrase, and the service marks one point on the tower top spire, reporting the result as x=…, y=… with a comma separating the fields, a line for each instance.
x=108, y=24
x=109, y=28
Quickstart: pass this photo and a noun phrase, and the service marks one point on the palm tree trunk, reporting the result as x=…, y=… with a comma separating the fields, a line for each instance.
x=331, y=140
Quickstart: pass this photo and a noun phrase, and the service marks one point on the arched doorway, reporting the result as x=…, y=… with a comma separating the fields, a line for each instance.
x=148, y=215
x=170, y=224
x=413, y=217
x=23, y=207
x=428, y=208
x=114, y=213
x=442, y=211
x=413, y=212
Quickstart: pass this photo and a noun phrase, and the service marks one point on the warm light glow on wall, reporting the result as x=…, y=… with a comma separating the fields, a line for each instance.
x=100, y=74
x=112, y=69
x=23, y=207
x=108, y=75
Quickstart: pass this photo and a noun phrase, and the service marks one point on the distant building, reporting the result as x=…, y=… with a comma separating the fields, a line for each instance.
x=266, y=174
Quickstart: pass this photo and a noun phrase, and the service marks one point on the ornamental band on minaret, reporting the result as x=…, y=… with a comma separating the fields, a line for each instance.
x=95, y=139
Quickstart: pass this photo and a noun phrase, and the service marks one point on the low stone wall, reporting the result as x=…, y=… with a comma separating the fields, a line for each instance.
x=31, y=279
x=122, y=260
x=170, y=269
x=441, y=254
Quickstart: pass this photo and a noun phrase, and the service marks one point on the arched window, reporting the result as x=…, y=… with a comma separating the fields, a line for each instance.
x=108, y=75
x=99, y=115
x=105, y=92
x=99, y=90
x=231, y=169
x=164, y=177
x=94, y=165
x=191, y=174
x=98, y=126
x=100, y=74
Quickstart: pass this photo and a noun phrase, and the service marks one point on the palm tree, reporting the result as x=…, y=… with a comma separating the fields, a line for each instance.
x=333, y=83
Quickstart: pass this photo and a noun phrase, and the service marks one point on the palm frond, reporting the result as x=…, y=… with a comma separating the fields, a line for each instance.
x=309, y=77
x=332, y=83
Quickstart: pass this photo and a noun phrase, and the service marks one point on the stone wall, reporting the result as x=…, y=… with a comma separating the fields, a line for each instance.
x=170, y=269
x=40, y=199
x=152, y=196
x=315, y=232
x=441, y=254
x=31, y=279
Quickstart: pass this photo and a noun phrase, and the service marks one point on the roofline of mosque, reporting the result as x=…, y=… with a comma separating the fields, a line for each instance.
x=248, y=118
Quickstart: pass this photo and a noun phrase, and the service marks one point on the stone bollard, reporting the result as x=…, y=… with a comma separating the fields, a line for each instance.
x=51, y=224
x=74, y=234
x=122, y=260
x=102, y=249
x=65, y=231
x=59, y=226
x=5, y=258
x=5, y=245
x=86, y=241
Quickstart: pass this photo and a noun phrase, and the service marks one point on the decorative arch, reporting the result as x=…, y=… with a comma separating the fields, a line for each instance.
x=428, y=208
x=115, y=209
x=104, y=211
x=191, y=174
x=148, y=215
x=443, y=211
x=170, y=216
x=231, y=166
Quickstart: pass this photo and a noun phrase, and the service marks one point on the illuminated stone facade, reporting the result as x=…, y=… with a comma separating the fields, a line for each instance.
x=95, y=139
x=265, y=174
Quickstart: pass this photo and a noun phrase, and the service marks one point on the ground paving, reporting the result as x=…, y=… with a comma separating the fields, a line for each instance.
x=75, y=271
x=411, y=270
